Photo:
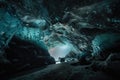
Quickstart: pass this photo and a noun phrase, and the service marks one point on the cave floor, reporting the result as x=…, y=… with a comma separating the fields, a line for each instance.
x=65, y=71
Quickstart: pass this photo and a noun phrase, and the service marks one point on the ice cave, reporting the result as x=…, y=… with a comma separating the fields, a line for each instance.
x=59, y=39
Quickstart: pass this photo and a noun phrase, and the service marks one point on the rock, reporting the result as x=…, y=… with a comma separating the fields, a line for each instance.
x=22, y=56
x=65, y=71
x=112, y=64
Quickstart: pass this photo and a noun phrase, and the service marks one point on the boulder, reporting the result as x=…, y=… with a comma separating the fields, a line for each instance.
x=23, y=55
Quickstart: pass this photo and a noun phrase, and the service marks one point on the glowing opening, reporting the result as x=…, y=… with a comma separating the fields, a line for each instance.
x=60, y=51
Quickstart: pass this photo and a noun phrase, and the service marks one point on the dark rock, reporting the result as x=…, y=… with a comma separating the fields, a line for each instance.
x=23, y=55
x=112, y=64
x=62, y=59
x=65, y=71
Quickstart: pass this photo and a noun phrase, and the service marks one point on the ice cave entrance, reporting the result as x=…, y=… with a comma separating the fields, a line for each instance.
x=60, y=51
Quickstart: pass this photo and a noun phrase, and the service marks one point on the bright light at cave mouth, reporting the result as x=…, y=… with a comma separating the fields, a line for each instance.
x=60, y=51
